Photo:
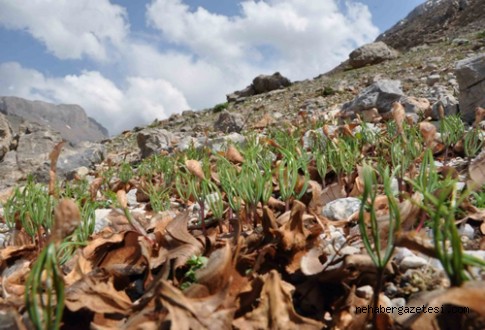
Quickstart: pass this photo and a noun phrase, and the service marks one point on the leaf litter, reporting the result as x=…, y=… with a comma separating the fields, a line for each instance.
x=274, y=269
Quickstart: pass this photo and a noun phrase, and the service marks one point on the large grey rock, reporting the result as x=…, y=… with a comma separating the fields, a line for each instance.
x=261, y=84
x=379, y=95
x=268, y=83
x=370, y=54
x=70, y=121
x=470, y=74
x=229, y=122
x=154, y=140
x=6, y=137
x=86, y=154
x=34, y=146
x=445, y=99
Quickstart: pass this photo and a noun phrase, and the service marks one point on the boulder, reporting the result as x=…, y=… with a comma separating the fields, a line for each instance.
x=371, y=54
x=261, y=84
x=264, y=84
x=470, y=74
x=153, y=140
x=34, y=146
x=379, y=95
x=445, y=99
x=229, y=122
x=6, y=137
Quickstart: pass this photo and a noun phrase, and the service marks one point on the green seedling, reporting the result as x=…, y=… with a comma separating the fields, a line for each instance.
x=126, y=172
x=451, y=129
x=33, y=207
x=472, y=142
x=288, y=176
x=379, y=254
x=159, y=197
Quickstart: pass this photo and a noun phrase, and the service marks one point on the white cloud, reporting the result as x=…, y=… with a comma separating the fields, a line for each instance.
x=70, y=29
x=141, y=101
x=304, y=37
x=202, y=56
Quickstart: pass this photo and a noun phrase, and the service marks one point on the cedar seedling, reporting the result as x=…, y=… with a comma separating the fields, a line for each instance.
x=380, y=255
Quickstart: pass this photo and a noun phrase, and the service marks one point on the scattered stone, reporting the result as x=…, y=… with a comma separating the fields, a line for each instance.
x=380, y=95
x=341, y=209
x=153, y=140
x=467, y=231
x=102, y=221
x=398, y=302
x=432, y=79
x=470, y=74
x=364, y=292
x=131, y=196
x=460, y=41
x=445, y=99
x=229, y=122
x=371, y=54
x=415, y=105
x=390, y=289
x=412, y=262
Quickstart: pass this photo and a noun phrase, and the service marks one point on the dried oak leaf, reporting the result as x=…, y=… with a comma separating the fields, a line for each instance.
x=332, y=192
x=97, y=293
x=195, y=168
x=54, y=156
x=164, y=305
x=428, y=131
x=275, y=309
x=233, y=155
x=476, y=172
x=66, y=219
x=293, y=234
x=471, y=295
x=185, y=245
x=399, y=115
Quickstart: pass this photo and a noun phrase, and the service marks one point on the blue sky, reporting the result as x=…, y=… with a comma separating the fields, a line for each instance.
x=128, y=62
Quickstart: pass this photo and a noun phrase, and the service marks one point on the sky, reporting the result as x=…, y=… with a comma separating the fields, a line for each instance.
x=128, y=62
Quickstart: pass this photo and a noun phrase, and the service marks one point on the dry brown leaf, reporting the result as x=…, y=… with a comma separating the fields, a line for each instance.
x=470, y=295
x=122, y=199
x=275, y=309
x=399, y=115
x=195, y=168
x=54, y=156
x=94, y=187
x=233, y=155
x=217, y=273
x=476, y=172
x=66, y=219
x=332, y=192
x=293, y=234
x=428, y=131
x=479, y=116
x=316, y=202
x=186, y=245
x=97, y=293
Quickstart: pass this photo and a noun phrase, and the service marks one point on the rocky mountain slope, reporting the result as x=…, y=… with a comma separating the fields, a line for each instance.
x=435, y=20
x=70, y=121
x=265, y=211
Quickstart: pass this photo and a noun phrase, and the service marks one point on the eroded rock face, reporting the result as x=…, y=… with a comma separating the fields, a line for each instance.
x=470, y=74
x=370, y=54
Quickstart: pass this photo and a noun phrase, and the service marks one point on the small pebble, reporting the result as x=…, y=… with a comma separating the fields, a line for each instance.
x=365, y=292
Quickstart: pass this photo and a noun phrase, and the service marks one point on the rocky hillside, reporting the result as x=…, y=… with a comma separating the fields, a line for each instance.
x=69, y=120
x=293, y=205
x=434, y=21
